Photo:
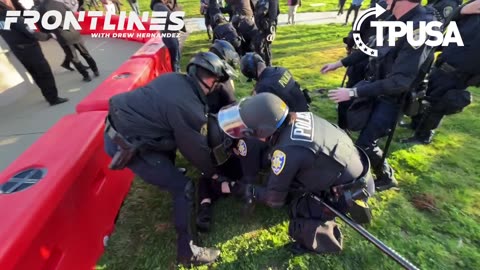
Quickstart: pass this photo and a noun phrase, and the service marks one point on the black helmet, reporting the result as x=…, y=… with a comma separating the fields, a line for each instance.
x=258, y=116
x=248, y=64
x=212, y=63
x=226, y=52
x=218, y=18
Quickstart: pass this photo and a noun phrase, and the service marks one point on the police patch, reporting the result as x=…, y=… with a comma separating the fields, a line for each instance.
x=302, y=128
x=204, y=130
x=242, y=148
x=278, y=161
x=447, y=11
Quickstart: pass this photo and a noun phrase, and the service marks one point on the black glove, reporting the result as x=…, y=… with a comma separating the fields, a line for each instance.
x=244, y=191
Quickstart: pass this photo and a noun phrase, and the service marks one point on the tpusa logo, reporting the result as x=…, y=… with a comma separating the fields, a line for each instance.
x=429, y=34
x=53, y=19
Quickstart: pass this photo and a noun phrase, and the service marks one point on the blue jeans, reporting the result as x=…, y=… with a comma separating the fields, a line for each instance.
x=174, y=49
x=160, y=171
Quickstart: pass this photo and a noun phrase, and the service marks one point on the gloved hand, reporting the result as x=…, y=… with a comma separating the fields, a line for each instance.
x=245, y=191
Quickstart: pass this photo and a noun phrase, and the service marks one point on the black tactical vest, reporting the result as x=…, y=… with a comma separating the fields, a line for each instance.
x=331, y=145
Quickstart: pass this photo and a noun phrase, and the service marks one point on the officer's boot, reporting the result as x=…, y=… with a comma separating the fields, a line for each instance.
x=204, y=217
x=81, y=68
x=385, y=178
x=420, y=137
x=66, y=65
x=425, y=129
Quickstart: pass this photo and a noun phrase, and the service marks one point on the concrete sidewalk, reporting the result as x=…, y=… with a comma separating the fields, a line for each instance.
x=198, y=24
x=25, y=115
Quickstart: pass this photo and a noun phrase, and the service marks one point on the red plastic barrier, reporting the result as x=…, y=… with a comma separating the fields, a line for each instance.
x=130, y=75
x=133, y=35
x=61, y=221
x=156, y=50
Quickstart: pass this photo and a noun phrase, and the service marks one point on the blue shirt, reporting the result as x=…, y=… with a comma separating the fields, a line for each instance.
x=357, y=2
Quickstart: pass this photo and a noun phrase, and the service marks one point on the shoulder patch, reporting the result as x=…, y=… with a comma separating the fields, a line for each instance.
x=447, y=11
x=278, y=161
x=242, y=148
x=204, y=130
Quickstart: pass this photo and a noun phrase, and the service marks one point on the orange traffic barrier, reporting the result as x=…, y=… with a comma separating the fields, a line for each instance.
x=156, y=49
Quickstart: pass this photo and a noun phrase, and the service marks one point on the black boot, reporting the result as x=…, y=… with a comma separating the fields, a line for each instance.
x=199, y=256
x=204, y=217
x=57, y=101
x=385, y=178
x=66, y=65
x=420, y=137
x=81, y=68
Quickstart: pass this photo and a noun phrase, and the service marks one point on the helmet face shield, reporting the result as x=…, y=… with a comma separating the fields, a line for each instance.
x=230, y=73
x=230, y=121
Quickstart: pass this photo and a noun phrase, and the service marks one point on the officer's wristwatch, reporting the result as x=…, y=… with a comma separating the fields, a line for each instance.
x=352, y=92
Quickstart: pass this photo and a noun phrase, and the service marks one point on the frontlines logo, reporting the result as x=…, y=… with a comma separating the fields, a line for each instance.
x=429, y=34
x=53, y=20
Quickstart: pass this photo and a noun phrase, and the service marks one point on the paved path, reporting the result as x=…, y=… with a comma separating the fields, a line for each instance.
x=25, y=115
x=197, y=24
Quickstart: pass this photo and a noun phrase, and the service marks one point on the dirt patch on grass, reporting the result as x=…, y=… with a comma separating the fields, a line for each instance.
x=424, y=202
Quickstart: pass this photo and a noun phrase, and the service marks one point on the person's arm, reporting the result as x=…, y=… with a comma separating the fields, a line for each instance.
x=285, y=164
x=187, y=126
x=471, y=8
x=404, y=71
x=272, y=11
x=251, y=152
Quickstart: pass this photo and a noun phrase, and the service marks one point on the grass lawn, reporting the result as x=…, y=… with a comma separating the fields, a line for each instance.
x=433, y=220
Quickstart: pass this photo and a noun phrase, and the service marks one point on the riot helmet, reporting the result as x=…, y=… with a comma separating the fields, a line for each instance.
x=213, y=64
x=226, y=52
x=249, y=65
x=256, y=116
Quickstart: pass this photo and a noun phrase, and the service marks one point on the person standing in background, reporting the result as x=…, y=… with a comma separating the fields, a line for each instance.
x=341, y=4
x=355, y=6
x=292, y=10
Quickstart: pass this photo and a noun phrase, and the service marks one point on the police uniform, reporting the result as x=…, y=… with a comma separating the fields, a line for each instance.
x=159, y=122
x=266, y=13
x=279, y=81
x=171, y=42
x=24, y=44
x=456, y=69
x=241, y=7
x=444, y=8
x=222, y=96
x=225, y=31
x=70, y=39
x=394, y=72
x=247, y=29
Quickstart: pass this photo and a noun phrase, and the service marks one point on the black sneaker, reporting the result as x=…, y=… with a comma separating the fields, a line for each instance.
x=200, y=256
x=67, y=66
x=420, y=138
x=57, y=101
x=204, y=217
x=86, y=78
x=385, y=182
x=96, y=73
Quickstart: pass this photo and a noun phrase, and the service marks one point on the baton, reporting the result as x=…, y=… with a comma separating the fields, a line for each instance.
x=371, y=238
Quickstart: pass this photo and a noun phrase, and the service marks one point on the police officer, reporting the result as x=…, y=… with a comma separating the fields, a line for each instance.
x=146, y=126
x=224, y=30
x=70, y=39
x=357, y=72
x=444, y=8
x=171, y=41
x=224, y=94
x=24, y=45
x=266, y=14
x=241, y=7
x=247, y=30
x=456, y=69
x=275, y=80
x=394, y=72
x=309, y=156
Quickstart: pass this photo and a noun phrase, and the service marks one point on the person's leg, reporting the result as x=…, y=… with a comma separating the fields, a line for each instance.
x=294, y=13
x=290, y=10
x=207, y=24
x=163, y=174
x=348, y=13
x=86, y=55
x=174, y=51
x=71, y=53
x=356, y=10
x=381, y=121
x=37, y=65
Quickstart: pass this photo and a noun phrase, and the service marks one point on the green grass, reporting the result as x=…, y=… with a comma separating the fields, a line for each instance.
x=445, y=237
